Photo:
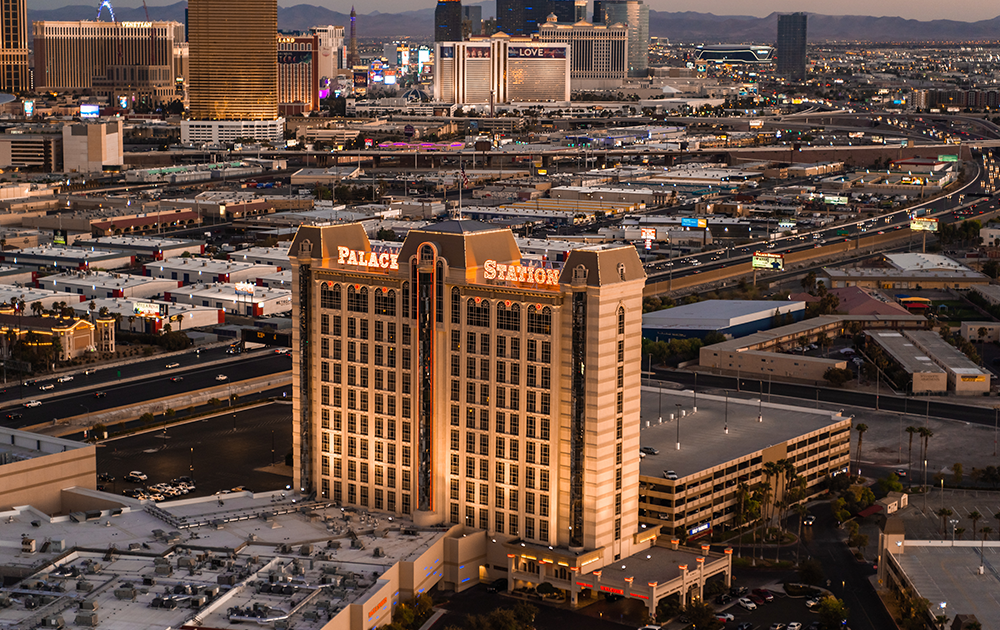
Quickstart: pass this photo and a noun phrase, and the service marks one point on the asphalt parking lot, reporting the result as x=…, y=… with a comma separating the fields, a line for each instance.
x=783, y=609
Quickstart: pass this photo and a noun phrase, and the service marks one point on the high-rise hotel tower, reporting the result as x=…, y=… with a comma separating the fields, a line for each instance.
x=449, y=379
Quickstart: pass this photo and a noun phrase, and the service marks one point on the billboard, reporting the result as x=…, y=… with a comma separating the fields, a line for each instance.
x=767, y=260
x=648, y=234
x=244, y=288
x=446, y=52
x=29, y=108
x=60, y=237
x=947, y=158
x=292, y=57
x=148, y=309
x=835, y=200
x=693, y=222
x=923, y=224
x=89, y=110
x=536, y=52
x=477, y=53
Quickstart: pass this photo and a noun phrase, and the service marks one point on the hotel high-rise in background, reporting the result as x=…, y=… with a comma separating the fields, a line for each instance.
x=233, y=83
x=635, y=15
x=449, y=379
x=791, y=46
x=448, y=21
x=14, y=75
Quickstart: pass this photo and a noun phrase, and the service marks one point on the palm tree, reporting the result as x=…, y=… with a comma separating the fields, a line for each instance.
x=944, y=513
x=861, y=428
x=997, y=517
x=974, y=516
x=926, y=434
x=909, y=453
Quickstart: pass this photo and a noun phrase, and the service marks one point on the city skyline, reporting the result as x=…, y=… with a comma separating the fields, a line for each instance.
x=922, y=10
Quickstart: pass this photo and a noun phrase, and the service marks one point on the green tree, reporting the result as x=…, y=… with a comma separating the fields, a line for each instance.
x=991, y=268
x=944, y=513
x=146, y=418
x=702, y=616
x=832, y=612
x=838, y=376
x=890, y=483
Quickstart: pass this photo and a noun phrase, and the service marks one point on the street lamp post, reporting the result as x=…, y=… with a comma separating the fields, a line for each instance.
x=727, y=414
x=954, y=522
x=678, y=427
x=925, y=486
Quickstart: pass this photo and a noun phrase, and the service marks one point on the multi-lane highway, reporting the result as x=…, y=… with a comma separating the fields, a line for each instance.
x=132, y=384
x=957, y=206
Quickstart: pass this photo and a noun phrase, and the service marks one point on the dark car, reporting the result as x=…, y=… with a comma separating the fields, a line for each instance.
x=105, y=477
x=497, y=586
x=100, y=394
x=176, y=379
x=764, y=594
x=757, y=599
x=723, y=599
x=13, y=416
x=738, y=591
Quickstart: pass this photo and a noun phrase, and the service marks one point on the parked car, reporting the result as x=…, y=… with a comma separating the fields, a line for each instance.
x=738, y=591
x=649, y=450
x=794, y=625
x=757, y=599
x=105, y=477
x=669, y=474
x=724, y=616
x=136, y=476
x=723, y=599
x=812, y=602
x=777, y=625
x=764, y=594
x=747, y=603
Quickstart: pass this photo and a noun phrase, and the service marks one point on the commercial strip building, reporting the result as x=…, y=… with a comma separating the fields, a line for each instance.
x=89, y=285
x=148, y=246
x=926, y=376
x=964, y=377
x=273, y=256
x=733, y=318
x=47, y=299
x=150, y=316
x=241, y=298
x=759, y=355
x=205, y=270
x=956, y=576
x=501, y=69
x=54, y=257
x=708, y=445
x=907, y=271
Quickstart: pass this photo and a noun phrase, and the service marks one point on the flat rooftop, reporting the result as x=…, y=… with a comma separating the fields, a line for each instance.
x=65, y=253
x=142, y=242
x=951, y=575
x=904, y=352
x=168, y=556
x=204, y=265
x=103, y=279
x=953, y=359
x=716, y=314
x=704, y=442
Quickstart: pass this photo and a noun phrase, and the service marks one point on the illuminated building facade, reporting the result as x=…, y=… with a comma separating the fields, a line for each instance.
x=451, y=380
x=635, y=14
x=73, y=55
x=501, y=70
x=234, y=59
x=14, y=75
x=599, y=51
x=298, y=74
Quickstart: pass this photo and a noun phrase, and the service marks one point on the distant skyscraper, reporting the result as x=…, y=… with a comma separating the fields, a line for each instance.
x=352, y=50
x=448, y=21
x=520, y=18
x=14, y=75
x=472, y=20
x=635, y=15
x=569, y=11
x=791, y=46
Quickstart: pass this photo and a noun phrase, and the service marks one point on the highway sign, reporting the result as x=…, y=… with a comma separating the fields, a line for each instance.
x=767, y=260
x=923, y=224
x=267, y=338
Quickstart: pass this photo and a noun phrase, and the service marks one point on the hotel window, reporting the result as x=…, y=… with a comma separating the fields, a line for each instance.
x=513, y=454
x=456, y=308
x=385, y=303
x=470, y=367
x=406, y=335
x=515, y=349
x=512, y=500
x=379, y=331
x=484, y=419
x=529, y=502
x=513, y=481
x=543, y=480
x=325, y=348
x=529, y=528
x=529, y=477
x=515, y=374
x=501, y=346
x=357, y=300
x=454, y=464
x=500, y=422
x=477, y=312
x=513, y=525
x=501, y=371
x=456, y=366
x=324, y=325
x=540, y=321
x=470, y=342
x=618, y=454
x=532, y=371
x=514, y=424
x=543, y=505
x=509, y=317
x=336, y=350
x=456, y=340
x=364, y=329
x=544, y=428
x=621, y=320
x=546, y=354
x=621, y=350
x=484, y=343
x=484, y=444
x=498, y=522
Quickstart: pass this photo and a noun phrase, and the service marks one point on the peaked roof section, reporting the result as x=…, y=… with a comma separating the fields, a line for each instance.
x=464, y=244
x=324, y=240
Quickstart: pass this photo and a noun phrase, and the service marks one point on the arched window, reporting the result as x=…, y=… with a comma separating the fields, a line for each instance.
x=406, y=299
x=357, y=299
x=385, y=302
x=477, y=314
x=540, y=320
x=329, y=298
x=509, y=317
x=456, y=306
x=621, y=320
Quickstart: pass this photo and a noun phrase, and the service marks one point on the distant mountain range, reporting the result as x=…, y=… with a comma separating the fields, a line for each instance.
x=679, y=27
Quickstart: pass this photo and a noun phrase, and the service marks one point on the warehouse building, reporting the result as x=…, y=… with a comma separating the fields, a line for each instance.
x=102, y=284
x=732, y=318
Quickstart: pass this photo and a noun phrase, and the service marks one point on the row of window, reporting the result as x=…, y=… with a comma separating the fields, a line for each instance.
x=535, y=426
x=501, y=521
x=503, y=448
x=359, y=495
x=505, y=472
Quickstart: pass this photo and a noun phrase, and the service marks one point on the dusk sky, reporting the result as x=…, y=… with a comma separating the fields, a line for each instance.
x=964, y=10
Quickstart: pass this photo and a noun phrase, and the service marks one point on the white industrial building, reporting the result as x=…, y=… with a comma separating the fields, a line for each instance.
x=151, y=316
x=241, y=299
x=101, y=284
x=206, y=270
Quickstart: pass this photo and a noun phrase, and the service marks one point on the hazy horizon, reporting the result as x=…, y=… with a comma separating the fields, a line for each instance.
x=922, y=10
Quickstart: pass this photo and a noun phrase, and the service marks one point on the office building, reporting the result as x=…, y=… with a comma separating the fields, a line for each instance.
x=501, y=70
x=448, y=21
x=234, y=65
x=791, y=46
x=72, y=55
x=570, y=11
x=14, y=75
x=599, y=52
x=472, y=21
x=42, y=152
x=298, y=74
x=635, y=15
x=449, y=379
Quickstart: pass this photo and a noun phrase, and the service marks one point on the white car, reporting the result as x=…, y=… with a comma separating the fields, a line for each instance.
x=64, y=379
x=33, y=403
x=794, y=625
x=222, y=377
x=747, y=603
x=724, y=616
x=47, y=386
x=171, y=366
